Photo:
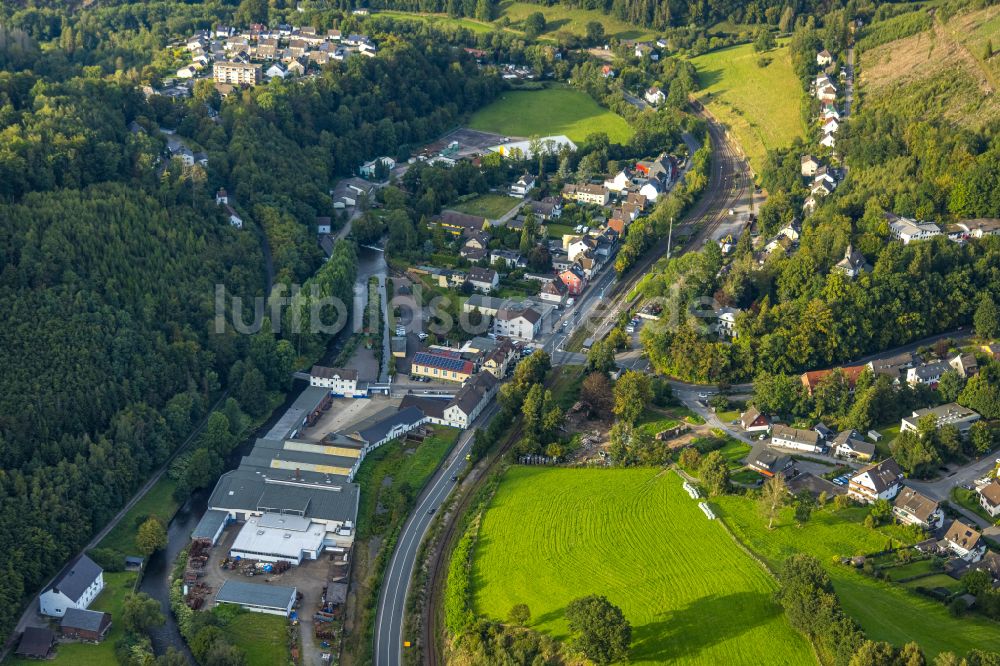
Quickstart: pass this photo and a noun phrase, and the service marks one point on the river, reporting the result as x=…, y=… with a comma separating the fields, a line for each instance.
x=155, y=579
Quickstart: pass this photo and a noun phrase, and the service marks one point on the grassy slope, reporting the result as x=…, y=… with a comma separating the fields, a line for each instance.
x=759, y=105
x=574, y=20
x=885, y=611
x=490, y=206
x=551, y=535
x=116, y=586
x=555, y=110
x=159, y=502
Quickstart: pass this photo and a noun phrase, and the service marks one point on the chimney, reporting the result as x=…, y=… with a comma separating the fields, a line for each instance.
x=298, y=474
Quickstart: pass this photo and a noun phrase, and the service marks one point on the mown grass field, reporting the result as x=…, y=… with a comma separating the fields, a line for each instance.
x=691, y=594
x=555, y=110
x=887, y=612
x=490, y=206
x=759, y=105
x=116, y=586
x=262, y=637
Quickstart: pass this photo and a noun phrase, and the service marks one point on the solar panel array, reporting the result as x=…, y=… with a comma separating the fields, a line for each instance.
x=442, y=362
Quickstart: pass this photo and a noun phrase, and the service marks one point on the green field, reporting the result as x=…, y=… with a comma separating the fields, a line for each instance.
x=886, y=612
x=116, y=586
x=490, y=206
x=557, y=231
x=569, y=19
x=555, y=110
x=760, y=106
x=262, y=637
x=691, y=594
x=159, y=502
x=439, y=20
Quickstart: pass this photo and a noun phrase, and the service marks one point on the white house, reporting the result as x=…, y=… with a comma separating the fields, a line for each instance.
x=824, y=58
x=655, y=96
x=906, y=229
x=76, y=586
x=368, y=168
x=470, y=400
x=874, y=482
x=522, y=186
x=520, y=323
x=928, y=373
x=651, y=190
x=828, y=140
x=234, y=217
x=809, y=166
x=796, y=438
x=483, y=279
x=964, y=541
x=989, y=498
x=951, y=413
x=340, y=381
x=726, y=323
x=276, y=70
x=621, y=181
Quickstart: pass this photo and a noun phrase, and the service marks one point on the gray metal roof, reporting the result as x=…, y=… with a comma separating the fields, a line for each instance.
x=209, y=524
x=77, y=618
x=321, y=497
x=378, y=430
x=255, y=594
x=307, y=401
x=76, y=577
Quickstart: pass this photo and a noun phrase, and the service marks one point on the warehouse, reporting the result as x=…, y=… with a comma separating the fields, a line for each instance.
x=274, y=536
x=270, y=599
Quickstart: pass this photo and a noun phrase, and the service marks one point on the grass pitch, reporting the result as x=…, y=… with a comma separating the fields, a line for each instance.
x=555, y=110
x=759, y=105
x=692, y=595
x=886, y=612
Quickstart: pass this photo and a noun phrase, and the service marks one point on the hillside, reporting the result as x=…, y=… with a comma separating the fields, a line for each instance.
x=939, y=71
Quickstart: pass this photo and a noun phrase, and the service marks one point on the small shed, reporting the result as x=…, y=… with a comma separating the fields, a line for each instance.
x=211, y=525
x=36, y=643
x=874, y=435
x=86, y=625
x=133, y=562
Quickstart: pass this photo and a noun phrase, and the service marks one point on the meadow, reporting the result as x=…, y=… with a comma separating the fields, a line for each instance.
x=264, y=638
x=554, y=110
x=560, y=18
x=692, y=595
x=490, y=206
x=886, y=612
x=759, y=105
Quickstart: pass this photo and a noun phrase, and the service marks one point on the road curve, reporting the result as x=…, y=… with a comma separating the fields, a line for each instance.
x=390, y=614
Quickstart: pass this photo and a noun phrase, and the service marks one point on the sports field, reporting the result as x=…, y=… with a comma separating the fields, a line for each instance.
x=692, y=595
x=886, y=612
x=555, y=110
x=760, y=105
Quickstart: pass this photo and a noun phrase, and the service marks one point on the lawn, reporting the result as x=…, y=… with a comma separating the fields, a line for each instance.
x=159, y=502
x=116, y=586
x=396, y=463
x=490, y=206
x=887, y=612
x=734, y=451
x=937, y=580
x=570, y=19
x=969, y=499
x=557, y=231
x=552, y=111
x=653, y=421
x=759, y=105
x=691, y=594
x=262, y=637
x=910, y=570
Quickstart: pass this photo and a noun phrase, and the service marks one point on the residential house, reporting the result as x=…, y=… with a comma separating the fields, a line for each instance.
x=875, y=482
x=449, y=366
x=597, y=195
x=928, y=373
x=483, y=279
x=989, y=498
x=276, y=70
x=76, y=586
x=853, y=263
x=850, y=374
x=726, y=322
x=964, y=541
x=580, y=245
x=553, y=291
x=459, y=223
x=964, y=364
x=324, y=225
x=475, y=246
x=979, y=227
x=340, y=381
x=523, y=185
x=851, y=445
x=651, y=189
x=574, y=279
x=510, y=258
x=620, y=182
x=828, y=141
x=517, y=321
x=809, y=166
x=948, y=414
x=830, y=126
x=368, y=169
x=913, y=508
x=824, y=58
x=796, y=438
x=907, y=230
x=497, y=361
x=470, y=400
x=655, y=96
x=753, y=421
x=485, y=305
x=893, y=367
x=233, y=217
x=766, y=461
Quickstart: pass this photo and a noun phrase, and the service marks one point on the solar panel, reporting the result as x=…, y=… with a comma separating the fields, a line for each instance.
x=442, y=362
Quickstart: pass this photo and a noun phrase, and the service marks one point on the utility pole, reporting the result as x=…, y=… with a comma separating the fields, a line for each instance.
x=670, y=237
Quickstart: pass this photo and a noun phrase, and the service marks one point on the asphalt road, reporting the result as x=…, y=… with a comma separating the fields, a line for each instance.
x=395, y=586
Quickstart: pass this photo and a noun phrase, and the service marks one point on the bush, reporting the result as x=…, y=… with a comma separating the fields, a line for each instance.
x=108, y=559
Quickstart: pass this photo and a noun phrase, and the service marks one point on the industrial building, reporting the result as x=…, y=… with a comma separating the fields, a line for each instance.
x=270, y=599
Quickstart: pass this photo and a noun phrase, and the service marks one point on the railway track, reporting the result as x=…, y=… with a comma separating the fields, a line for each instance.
x=727, y=186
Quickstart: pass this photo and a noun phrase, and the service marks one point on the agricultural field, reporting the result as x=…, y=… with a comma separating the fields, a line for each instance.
x=938, y=72
x=490, y=206
x=759, y=105
x=116, y=586
x=554, y=110
x=886, y=612
x=560, y=18
x=632, y=535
